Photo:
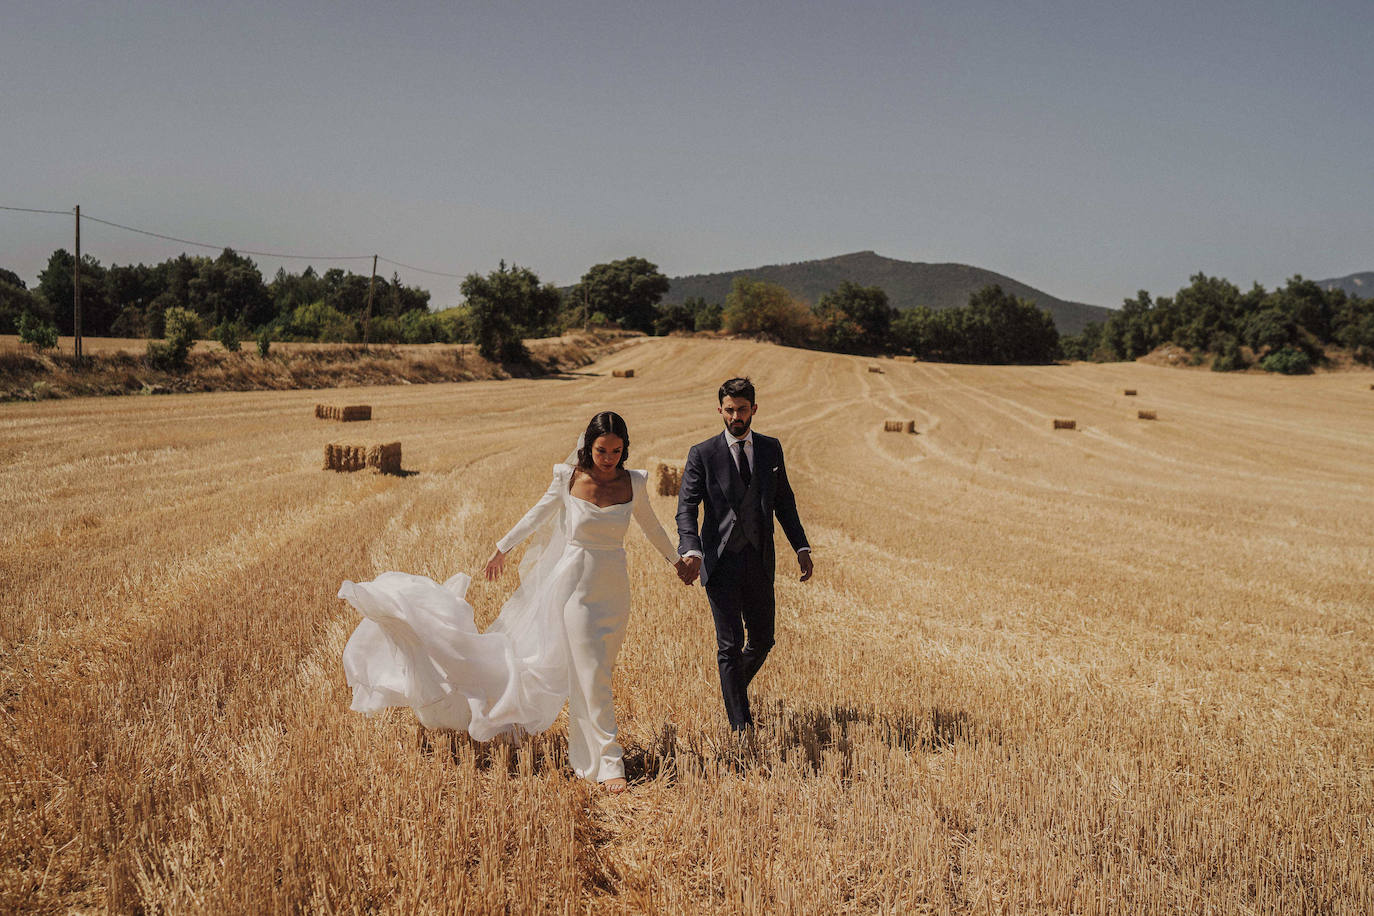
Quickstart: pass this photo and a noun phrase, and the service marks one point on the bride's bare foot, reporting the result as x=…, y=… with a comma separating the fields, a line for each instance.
x=615, y=786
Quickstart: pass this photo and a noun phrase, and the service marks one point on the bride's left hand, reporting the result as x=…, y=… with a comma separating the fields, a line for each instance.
x=495, y=566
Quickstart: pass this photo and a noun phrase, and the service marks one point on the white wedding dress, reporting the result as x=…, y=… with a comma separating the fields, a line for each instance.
x=555, y=639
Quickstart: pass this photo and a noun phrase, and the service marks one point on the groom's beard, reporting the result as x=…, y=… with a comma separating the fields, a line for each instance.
x=738, y=428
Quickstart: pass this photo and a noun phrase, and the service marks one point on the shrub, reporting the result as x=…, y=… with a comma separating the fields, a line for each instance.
x=183, y=327
x=1229, y=357
x=1289, y=361
x=264, y=342
x=38, y=334
x=229, y=334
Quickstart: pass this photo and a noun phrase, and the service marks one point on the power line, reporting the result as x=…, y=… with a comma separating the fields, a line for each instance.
x=437, y=273
x=261, y=254
x=258, y=253
x=32, y=210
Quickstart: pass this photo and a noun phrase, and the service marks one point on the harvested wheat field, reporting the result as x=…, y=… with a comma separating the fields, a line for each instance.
x=1124, y=669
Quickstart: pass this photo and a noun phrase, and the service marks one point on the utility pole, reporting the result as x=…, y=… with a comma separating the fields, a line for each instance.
x=76, y=287
x=367, y=322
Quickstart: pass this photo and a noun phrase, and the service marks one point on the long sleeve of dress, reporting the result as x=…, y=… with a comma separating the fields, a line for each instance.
x=648, y=522
x=539, y=513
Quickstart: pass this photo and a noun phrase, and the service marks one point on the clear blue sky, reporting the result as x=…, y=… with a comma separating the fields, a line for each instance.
x=1090, y=149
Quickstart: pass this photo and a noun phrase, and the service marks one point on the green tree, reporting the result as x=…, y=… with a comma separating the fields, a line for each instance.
x=506, y=305
x=230, y=288
x=758, y=308
x=627, y=291
x=1130, y=333
x=855, y=319
x=56, y=287
x=36, y=332
x=674, y=317
x=919, y=332
x=183, y=329
x=318, y=321
x=15, y=300
x=1085, y=345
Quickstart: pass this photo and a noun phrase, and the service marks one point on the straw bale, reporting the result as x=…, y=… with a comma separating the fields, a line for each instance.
x=911, y=426
x=346, y=414
x=1129, y=392
x=385, y=459
x=893, y=426
x=623, y=373
x=338, y=457
x=1066, y=424
x=877, y=369
x=1146, y=415
x=669, y=480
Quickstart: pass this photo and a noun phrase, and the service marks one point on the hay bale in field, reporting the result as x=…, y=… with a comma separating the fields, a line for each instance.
x=385, y=459
x=1065, y=424
x=669, y=480
x=905, y=359
x=877, y=369
x=346, y=414
x=893, y=426
x=911, y=426
x=339, y=457
x=623, y=373
x=1129, y=392
x=1146, y=415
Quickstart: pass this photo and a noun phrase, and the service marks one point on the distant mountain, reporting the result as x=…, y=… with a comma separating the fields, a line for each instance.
x=907, y=284
x=1361, y=284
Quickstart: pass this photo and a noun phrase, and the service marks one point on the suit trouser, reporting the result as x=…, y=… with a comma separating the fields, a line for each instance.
x=740, y=590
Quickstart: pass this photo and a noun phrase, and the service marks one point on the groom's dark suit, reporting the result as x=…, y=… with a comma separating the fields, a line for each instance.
x=736, y=545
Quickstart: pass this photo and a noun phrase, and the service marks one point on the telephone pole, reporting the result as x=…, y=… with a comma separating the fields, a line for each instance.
x=76, y=287
x=367, y=322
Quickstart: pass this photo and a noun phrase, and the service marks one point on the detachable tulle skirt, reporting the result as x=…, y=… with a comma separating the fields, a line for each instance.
x=418, y=646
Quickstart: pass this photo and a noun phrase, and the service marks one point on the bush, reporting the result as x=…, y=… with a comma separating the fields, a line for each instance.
x=183, y=327
x=1289, y=361
x=264, y=342
x=318, y=321
x=229, y=334
x=1229, y=357
x=38, y=334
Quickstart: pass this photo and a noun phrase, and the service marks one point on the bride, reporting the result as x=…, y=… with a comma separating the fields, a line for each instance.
x=555, y=639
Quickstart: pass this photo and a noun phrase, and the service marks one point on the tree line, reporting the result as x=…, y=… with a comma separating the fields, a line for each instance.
x=227, y=297
x=1287, y=330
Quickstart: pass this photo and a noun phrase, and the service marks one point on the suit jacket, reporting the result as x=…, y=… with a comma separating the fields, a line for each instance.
x=711, y=480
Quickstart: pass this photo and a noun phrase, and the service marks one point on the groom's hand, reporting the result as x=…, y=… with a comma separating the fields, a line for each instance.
x=804, y=561
x=688, y=569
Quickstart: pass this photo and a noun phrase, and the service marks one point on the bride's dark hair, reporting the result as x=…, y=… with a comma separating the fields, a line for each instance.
x=606, y=423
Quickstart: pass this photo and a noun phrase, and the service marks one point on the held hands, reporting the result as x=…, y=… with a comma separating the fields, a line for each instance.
x=688, y=568
x=495, y=566
x=804, y=561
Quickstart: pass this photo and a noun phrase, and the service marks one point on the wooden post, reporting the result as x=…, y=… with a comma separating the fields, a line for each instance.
x=76, y=288
x=367, y=322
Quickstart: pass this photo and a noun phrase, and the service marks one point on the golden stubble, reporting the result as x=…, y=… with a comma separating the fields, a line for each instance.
x=1123, y=668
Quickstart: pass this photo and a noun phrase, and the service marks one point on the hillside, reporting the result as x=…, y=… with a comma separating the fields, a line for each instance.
x=1360, y=284
x=907, y=283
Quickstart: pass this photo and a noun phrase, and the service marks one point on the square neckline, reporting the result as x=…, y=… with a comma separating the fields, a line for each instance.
x=610, y=506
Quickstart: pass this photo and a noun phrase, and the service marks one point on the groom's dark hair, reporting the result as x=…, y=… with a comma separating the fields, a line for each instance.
x=736, y=388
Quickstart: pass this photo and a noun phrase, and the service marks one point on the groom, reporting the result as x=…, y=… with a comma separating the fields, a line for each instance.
x=740, y=477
